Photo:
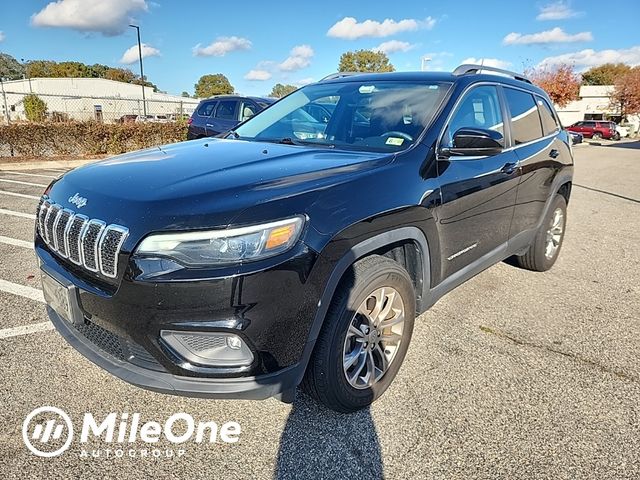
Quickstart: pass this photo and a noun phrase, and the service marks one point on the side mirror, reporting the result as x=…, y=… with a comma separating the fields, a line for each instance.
x=474, y=142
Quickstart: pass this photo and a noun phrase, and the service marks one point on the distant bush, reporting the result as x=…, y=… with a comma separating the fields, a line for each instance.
x=86, y=138
x=34, y=107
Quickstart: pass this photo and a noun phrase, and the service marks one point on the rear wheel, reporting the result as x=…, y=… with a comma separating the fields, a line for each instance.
x=596, y=136
x=365, y=336
x=544, y=250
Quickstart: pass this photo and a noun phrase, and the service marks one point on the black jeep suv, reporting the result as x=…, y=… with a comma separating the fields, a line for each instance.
x=299, y=250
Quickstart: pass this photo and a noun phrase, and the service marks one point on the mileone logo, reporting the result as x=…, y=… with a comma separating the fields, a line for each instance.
x=48, y=431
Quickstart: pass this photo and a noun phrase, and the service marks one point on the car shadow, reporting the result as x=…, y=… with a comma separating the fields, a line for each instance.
x=633, y=145
x=320, y=443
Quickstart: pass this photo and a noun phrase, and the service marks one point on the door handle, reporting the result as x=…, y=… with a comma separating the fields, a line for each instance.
x=554, y=153
x=509, y=168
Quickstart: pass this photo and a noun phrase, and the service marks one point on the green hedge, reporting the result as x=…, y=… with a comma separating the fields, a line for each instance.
x=85, y=138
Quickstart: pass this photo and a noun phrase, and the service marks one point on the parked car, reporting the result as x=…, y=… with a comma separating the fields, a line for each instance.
x=576, y=138
x=621, y=131
x=595, y=129
x=127, y=119
x=241, y=267
x=220, y=114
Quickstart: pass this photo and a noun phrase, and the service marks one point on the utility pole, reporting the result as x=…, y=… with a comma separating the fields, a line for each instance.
x=144, y=102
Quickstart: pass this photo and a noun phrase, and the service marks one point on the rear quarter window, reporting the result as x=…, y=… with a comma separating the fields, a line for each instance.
x=525, y=120
x=549, y=121
x=206, y=109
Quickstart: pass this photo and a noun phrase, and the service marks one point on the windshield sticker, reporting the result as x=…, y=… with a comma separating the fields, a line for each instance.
x=394, y=141
x=366, y=89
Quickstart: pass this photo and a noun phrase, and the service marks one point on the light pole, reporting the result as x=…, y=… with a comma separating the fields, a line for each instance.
x=24, y=64
x=144, y=102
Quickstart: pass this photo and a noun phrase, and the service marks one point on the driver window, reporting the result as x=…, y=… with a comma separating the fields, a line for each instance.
x=480, y=108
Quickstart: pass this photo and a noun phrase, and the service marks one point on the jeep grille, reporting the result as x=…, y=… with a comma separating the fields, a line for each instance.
x=87, y=242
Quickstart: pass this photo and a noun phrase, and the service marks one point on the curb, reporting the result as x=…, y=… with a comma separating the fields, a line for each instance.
x=46, y=164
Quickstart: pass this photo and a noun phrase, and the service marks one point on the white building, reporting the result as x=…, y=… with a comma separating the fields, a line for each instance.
x=594, y=104
x=90, y=99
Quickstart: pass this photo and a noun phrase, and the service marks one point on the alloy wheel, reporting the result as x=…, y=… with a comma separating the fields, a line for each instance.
x=373, y=338
x=554, y=233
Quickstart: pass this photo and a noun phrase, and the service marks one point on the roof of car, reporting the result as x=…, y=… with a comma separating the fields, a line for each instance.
x=433, y=77
x=234, y=96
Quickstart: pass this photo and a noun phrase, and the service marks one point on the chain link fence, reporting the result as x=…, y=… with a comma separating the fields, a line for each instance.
x=106, y=109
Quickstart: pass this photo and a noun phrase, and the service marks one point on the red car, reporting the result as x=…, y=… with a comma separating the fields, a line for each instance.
x=595, y=130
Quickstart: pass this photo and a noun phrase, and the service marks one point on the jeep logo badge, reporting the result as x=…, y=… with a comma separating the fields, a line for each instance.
x=78, y=201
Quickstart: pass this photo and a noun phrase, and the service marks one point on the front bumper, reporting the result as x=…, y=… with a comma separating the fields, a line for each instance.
x=252, y=388
x=118, y=327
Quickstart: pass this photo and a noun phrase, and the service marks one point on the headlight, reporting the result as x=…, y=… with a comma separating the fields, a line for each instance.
x=222, y=247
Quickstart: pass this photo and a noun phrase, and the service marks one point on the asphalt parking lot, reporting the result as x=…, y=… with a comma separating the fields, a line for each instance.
x=513, y=375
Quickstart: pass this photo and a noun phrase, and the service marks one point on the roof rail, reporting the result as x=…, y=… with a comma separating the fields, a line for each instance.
x=471, y=68
x=333, y=76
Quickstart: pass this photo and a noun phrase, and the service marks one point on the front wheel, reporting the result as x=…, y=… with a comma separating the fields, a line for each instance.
x=544, y=250
x=596, y=136
x=365, y=336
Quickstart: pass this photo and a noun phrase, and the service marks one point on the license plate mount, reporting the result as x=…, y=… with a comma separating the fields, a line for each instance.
x=61, y=298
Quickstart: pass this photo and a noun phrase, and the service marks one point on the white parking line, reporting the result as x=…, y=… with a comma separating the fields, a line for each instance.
x=21, y=195
x=30, y=174
x=26, y=329
x=16, y=242
x=18, y=214
x=24, y=183
x=21, y=290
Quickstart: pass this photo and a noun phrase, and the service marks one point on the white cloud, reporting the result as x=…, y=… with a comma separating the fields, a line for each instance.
x=2, y=36
x=489, y=62
x=221, y=46
x=257, y=75
x=555, y=35
x=131, y=54
x=299, y=57
x=393, y=46
x=591, y=58
x=109, y=17
x=556, y=11
x=350, y=29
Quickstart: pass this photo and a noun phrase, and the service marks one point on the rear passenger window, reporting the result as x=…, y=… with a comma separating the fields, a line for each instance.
x=206, y=109
x=525, y=121
x=549, y=122
x=226, y=110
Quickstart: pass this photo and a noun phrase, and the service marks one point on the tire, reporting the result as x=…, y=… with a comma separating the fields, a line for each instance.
x=537, y=257
x=326, y=377
x=616, y=136
x=596, y=136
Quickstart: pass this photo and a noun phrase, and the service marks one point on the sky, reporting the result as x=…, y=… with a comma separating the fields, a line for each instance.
x=257, y=43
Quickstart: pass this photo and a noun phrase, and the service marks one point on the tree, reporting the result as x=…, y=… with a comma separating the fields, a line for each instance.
x=605, y=74
x=185, y=94
x=365, y=61
x=279, y=90
x=10, y=68
x=120, y=75
x=560, y=82
x=34, y=107
x=626, y=93
x=210, y=85
x=40, y=68
x=70, y=70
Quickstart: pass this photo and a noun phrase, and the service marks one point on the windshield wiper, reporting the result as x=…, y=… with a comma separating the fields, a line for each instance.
x=288, y=141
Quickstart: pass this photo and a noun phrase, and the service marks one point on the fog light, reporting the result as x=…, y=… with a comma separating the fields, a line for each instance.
x=213, y=349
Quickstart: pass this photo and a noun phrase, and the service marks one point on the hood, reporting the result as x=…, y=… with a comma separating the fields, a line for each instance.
x=203, y=183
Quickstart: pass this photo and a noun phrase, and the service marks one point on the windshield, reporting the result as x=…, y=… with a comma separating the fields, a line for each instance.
x=372, y=116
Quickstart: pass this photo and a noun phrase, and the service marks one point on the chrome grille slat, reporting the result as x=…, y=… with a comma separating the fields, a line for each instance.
x=90, y=243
